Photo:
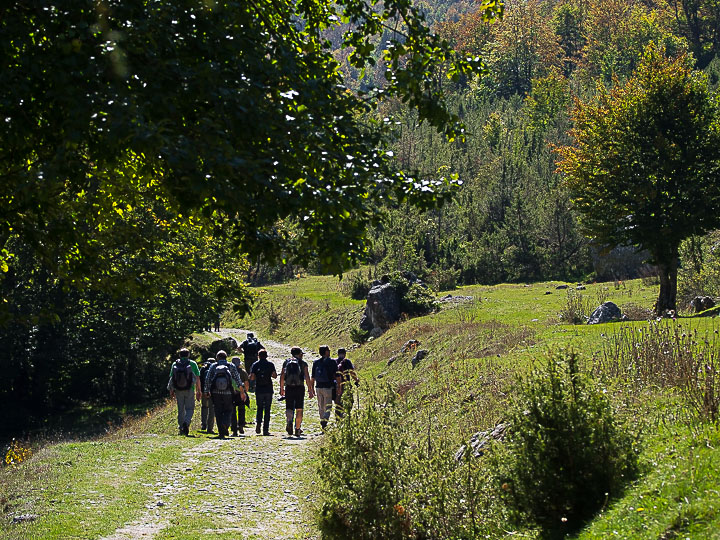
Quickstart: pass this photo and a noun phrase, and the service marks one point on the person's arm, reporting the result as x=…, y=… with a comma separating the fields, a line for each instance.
x=170, y=385
x=309, y=382
x=274, y=374
x=209, y=379
x=196, y=372
x=282, y=381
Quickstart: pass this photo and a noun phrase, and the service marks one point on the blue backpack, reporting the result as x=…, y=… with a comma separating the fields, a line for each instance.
x=321, y=371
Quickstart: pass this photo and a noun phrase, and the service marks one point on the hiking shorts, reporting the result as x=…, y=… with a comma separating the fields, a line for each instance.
x=294, y=397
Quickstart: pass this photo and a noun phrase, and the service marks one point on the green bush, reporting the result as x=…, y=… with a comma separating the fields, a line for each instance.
x=359, y=480
x=355, y=286
x=564, y=456
x=414, y=298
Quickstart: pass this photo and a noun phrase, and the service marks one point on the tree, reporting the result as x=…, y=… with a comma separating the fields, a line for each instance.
x=644, y=167
x=235, y=113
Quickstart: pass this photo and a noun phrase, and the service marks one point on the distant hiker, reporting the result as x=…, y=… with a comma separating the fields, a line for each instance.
x=346, y=375
x=263, y=372
x=184, y=375
x=250, y=348
x=293, y=377
x=217, y=323
x=219, y=385
x=207, y=411
x=237, y=418
x=324, y=371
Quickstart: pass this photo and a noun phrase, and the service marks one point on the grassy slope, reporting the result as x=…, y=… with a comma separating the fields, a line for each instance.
x=90, y=488
x=476, y=351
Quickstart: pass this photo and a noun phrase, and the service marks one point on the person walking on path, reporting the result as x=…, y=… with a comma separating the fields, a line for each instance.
x=207, y=411
x=293, y=377
x=263, y=372
x=346, y=377
x=184, y=374
x=219, y=386
x=237, y=418
x=323, y=380
x=250, y=348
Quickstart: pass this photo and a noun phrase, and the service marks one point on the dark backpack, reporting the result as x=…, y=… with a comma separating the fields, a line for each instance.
x=321, y=371
x=182, y=376
x=251, y=348
x=263, y=376
x=223, y=380
x=293, y=373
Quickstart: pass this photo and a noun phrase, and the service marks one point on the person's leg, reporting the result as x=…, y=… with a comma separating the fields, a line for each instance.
x=298, y=419
x=227, y=405
x=211, y=416
x=217, y=406
x=267, y=405
x=241, y=417
x=259, y=412
x=180, y=400
x=189, y=407
x=324, y=396
x=233, y=418
x=204, y=412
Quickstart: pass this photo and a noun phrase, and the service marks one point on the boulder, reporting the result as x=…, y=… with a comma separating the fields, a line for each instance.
x=606, y=312
x=227, y=344
x=560, y=287
x=422, y=353
x=410, y=345
x=480, y=441
x=382, y=308
x=702, y=303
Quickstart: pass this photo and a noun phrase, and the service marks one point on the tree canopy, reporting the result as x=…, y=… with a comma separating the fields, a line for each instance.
x=231, y=112
x=644, y=168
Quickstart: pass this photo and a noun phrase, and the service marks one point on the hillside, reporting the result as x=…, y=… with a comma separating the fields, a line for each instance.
x=130, y=482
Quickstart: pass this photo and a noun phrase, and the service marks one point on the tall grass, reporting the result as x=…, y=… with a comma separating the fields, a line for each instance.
x=666, y=354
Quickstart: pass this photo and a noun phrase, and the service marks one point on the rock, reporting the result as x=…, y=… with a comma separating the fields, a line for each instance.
x=450, y=299
x=227, y=344
x=382, y=308
x=422, y=353
x=480, y=441
x=391, y=360
x=22, y=518
x=548, y=292
x=702, y=303
x=560, y=287
x=410, y=345
x=605, y=313
x=580, y=288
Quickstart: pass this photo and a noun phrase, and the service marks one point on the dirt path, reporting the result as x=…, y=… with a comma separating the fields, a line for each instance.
x=244, y=487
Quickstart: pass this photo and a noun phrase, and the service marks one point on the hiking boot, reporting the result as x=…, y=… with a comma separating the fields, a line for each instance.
x=323, y=424
x=266, y=433
x=242, y=431
x=298, y=431
x=288, y=428
x=203, y=428
x=210, y=431
x=257, y=429
x=185, y=429
x=235, y=433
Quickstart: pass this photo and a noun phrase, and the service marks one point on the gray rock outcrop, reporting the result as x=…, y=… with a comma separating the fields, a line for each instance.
x=481, y=440
x=604, y=313
x=422, y=353
x=382, y=308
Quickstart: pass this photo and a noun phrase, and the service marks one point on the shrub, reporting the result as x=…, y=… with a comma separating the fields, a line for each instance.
x=355, y=286
x=564, y=455
x=576, y=309
x=443, y=279
x=636, y=312
x=358, y=335
x=415, y=299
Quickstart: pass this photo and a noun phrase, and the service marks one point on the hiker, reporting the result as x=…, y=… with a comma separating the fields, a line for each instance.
x=263, y=372
x=250, y=348
x=237, y=418
x=219, y=386
x=184, y=374
x=207, y=411
x=293, y=377
x=346, y=375
x=324, y=373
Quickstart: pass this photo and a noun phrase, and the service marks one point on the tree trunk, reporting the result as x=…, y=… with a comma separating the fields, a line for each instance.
x=668, y=284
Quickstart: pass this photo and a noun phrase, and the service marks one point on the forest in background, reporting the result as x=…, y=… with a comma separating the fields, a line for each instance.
x=512, y=220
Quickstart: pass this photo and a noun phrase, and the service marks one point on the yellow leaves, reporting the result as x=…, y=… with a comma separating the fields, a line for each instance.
x=17, y=453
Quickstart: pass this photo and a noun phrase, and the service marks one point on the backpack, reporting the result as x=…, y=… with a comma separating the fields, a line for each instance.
x=252, y=347
x=223, y=380
x=182, y=376
x=264, y=374
x=293, y=373
x=321, y=371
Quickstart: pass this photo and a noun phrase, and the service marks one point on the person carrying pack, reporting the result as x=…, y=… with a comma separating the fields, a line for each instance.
x=237, y=418
x=184, y=374
x=293, y=377
x=219, y=386
x=324, y=373
x=207, y=411
x=250, y=348
x=262, y=373
x=346, y=375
